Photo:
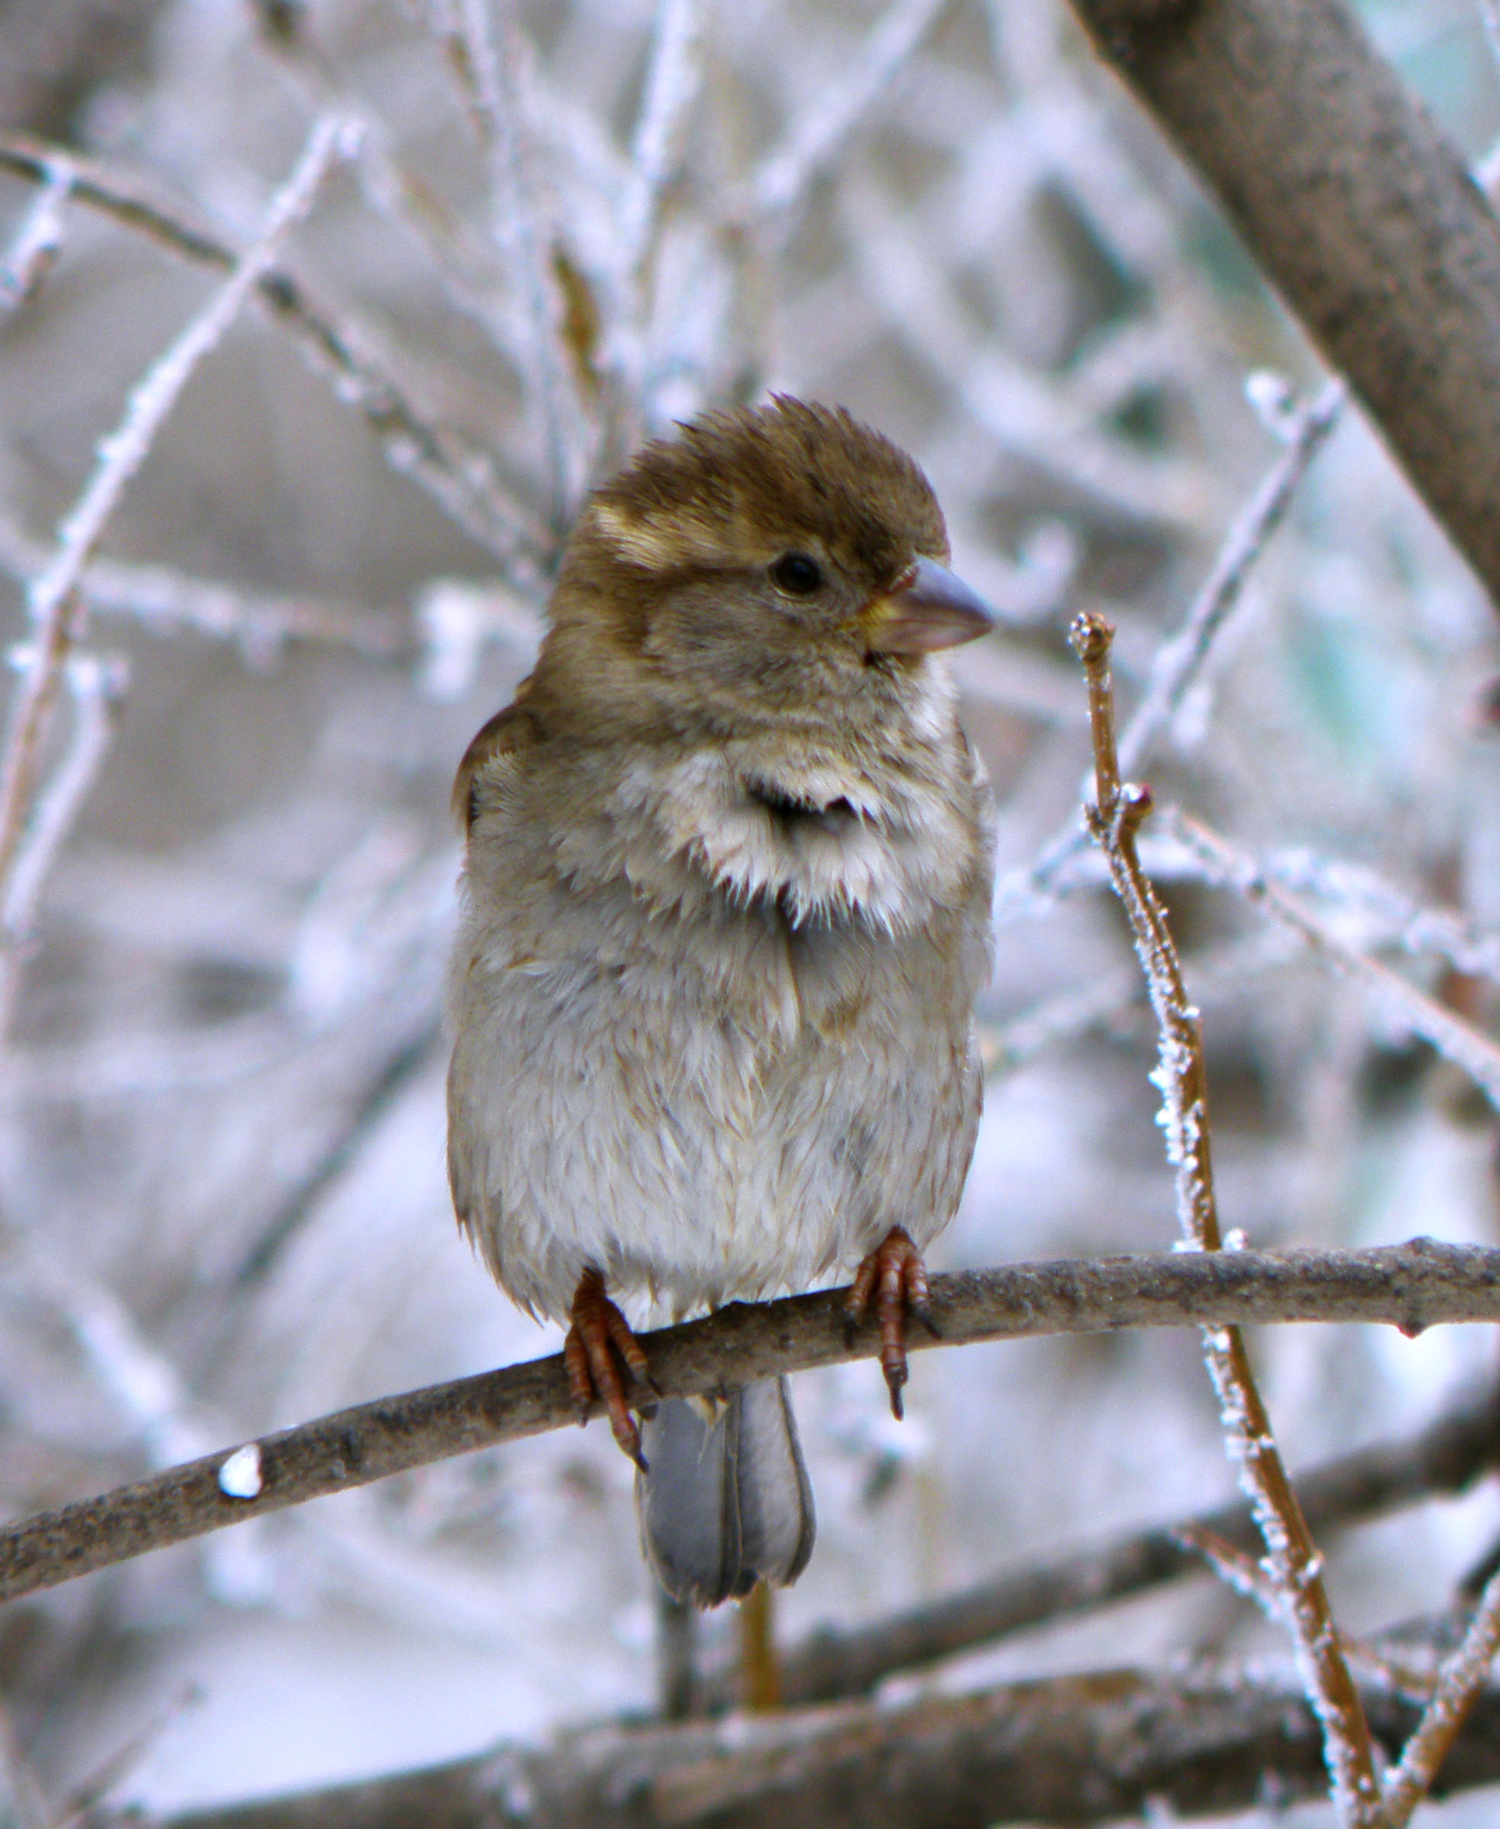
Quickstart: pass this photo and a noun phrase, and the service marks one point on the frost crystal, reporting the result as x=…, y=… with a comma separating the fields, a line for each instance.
x=240, y=1475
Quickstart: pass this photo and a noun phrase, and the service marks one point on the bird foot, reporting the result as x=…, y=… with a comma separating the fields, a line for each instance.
x=894, y=1277
x=599, y=1343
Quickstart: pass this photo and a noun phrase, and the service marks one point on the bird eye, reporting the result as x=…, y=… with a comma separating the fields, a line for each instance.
x=797, y=575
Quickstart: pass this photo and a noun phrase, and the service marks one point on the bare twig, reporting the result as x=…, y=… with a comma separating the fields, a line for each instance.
x=462, y=478
x=673, y=77
x=1411, y=1287
x=1455, y=1039
x=52, y=600
x=1399, y=919
x=1292, y=1559
x=1070, y=1013
x=833, y=1663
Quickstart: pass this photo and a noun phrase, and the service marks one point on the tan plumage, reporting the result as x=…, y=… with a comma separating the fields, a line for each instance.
x=725, y=902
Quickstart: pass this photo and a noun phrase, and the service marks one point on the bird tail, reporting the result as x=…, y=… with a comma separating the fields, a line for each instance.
x=726, y=1501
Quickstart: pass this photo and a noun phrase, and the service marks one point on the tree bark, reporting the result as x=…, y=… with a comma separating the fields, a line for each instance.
x=1358, y=210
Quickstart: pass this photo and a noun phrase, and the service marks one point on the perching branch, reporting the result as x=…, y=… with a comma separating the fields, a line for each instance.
x=1357, y=208
x=1412, y=1287
x=1292, y=1560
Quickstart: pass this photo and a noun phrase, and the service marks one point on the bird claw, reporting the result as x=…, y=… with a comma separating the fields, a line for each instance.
x=599, y=1343
x=894, y=1278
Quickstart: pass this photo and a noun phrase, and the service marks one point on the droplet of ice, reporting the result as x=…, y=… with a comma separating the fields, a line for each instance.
x=240, y=1477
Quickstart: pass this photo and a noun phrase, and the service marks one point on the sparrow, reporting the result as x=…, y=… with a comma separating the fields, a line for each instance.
x=725, y=914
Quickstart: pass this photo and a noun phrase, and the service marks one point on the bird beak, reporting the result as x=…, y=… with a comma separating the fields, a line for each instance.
x=926, y=609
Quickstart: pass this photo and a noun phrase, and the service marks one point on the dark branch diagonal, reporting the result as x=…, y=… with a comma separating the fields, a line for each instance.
x=1411, y=1286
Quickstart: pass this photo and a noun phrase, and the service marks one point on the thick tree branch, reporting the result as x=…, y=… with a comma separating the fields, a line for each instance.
x=1080, y=1749
x=1358, y=209
x=1411, y=1286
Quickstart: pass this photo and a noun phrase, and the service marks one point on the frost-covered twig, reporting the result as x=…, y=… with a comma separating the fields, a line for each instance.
x=1397, y=919
x=261, y=623
x=1072, y=1012
x=673, y=77
x=780, y=187
x=1461, y=1679
x=1453, y=1038
x=1412, y=1286
x=36, y=244
x=1292, y=1559
x=1180, y=660
x=96, y=685
x=488, y=63
x=53, y=605
x=460, y=476
x=672, y=80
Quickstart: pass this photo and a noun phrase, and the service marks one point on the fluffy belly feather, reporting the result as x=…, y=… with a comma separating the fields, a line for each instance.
x=699, y=1143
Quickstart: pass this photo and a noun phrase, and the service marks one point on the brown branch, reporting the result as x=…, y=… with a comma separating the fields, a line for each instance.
x=1077, y=1749
x=832, y=1664
x=1292, y=1561
x=1359, y=210
x=1413, y=1286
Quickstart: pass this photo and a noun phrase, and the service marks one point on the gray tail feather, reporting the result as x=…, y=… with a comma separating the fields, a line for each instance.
x=726, y=1502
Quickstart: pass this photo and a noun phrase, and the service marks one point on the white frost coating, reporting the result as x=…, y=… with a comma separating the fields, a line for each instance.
x=240, y=1475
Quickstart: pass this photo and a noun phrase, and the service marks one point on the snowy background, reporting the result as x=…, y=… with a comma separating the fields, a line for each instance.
x=222, y=1205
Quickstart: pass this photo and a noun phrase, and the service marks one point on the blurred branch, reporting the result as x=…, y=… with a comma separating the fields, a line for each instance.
x=261, y=623
x=779, y=189
x=36, y=244
x=832, y=1664
x=672, y=81
x=96, y=687
x=1105, y=1746
x=1293, y=1565
x=1063, y=1017
x=1409, y=1286
x=1179, y=661
x=1462, y=1679
x=459, y=476
x=1456, y=1040
x=1358, y=209
x=53, y=607
x=487, y=62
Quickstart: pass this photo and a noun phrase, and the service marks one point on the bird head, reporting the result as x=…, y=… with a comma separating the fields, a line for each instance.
x=776, y=569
